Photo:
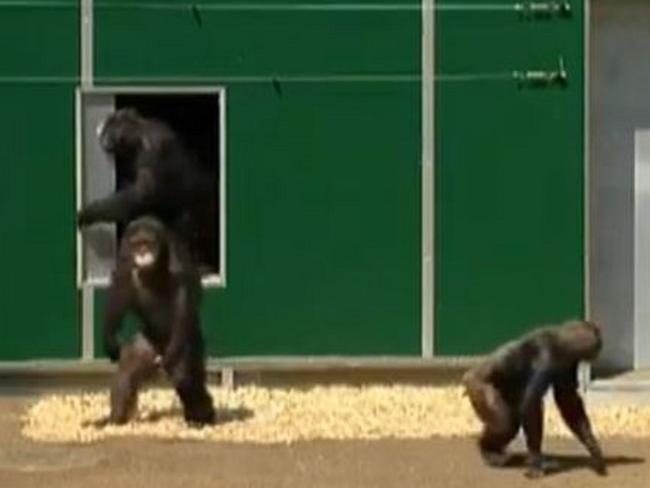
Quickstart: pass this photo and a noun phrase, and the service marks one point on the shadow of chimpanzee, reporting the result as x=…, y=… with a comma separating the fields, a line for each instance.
x=223, y=415
x=556, y=464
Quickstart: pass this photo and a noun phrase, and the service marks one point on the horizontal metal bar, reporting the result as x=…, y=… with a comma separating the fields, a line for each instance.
x=317, y=78
x=628, y=386
x=248, y=363
x=216, y=79
x=18, y=373
x=341, y=362
x=168, y=90
x=208, y=281
x=313, y=7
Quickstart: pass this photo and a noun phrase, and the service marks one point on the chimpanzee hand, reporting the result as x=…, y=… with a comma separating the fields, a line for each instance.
x=539, y=466
x=112, y=350
x=167, y=361
x=88, y=215
x=82, y=218
x=600, y=467
x=173, y=352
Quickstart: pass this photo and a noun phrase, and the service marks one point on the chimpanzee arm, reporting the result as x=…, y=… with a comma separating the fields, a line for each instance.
x=575, y=417
x=115, y=208
x=122, y=205
x=183, y=322
x=538, y=383
x=117, y=304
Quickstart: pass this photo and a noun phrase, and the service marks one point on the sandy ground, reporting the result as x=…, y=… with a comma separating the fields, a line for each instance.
x=140, y=462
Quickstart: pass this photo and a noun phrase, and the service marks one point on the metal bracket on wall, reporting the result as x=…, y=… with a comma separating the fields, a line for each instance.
x=530, y=10
x=532, y=78
x=584, y=377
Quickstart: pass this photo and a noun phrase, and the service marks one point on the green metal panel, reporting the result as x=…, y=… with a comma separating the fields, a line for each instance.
x=38, y=305
x=509, y=178
x=135, y=42
x=323, y=181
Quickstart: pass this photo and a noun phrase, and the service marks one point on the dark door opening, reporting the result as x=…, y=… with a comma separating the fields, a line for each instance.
x=195, y=119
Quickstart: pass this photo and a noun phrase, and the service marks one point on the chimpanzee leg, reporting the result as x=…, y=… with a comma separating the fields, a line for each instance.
x=137, y=363
x=533, y=424
x=500, y=423
x=575, y=417
x=189, y=379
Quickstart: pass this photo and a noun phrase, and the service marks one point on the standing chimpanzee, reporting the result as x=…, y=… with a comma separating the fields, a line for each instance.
x=507, y=390
x=156, y=279
x=164, y=179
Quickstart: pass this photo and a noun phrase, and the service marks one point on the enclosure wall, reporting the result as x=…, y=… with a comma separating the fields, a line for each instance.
x=324, y=151
x=509, y=174
x=38, y=300
x=619, y=77
x=323, y=166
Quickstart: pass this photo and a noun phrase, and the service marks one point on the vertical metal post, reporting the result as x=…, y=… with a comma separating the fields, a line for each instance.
x=428, y=175
x=228, y=378
x=584, y=371
x=87, y=43
x=641, y=308
x=584, y=377
x=87, y=291
x=87, y=322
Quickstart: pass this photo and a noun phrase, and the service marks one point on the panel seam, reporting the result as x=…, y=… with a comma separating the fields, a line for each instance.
x=86, y=65
x=428, y=119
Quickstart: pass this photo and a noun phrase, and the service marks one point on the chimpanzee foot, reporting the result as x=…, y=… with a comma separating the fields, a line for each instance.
x=200, y=424
x=541, y=466
x=105, y=422
x=496, y=459
x=535, y=472
x=200, y=419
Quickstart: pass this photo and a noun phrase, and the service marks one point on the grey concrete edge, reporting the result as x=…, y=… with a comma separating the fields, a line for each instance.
x=55, y=368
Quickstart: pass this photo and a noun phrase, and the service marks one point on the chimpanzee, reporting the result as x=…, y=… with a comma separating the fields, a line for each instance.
x=507, y=390
x=156, y=279
x=164, y=179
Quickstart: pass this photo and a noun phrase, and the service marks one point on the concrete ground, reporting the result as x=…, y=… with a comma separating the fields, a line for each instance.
x=377, y=464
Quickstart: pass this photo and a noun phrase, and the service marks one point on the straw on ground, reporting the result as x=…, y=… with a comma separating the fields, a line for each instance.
x=275, y=415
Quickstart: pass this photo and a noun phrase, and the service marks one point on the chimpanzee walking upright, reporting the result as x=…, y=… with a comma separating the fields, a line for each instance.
x=157, y=280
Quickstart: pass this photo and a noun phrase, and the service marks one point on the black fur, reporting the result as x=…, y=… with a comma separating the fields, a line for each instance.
x=163, y=180
x=507, y=390
x=166, y=298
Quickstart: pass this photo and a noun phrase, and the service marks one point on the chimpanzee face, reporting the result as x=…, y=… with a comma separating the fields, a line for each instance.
x=144, y=251
x=120, y=133
x=146, y=243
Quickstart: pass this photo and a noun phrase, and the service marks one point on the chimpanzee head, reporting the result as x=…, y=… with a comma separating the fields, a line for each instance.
x=583, y=339
x=146, y=244
x=121, y=134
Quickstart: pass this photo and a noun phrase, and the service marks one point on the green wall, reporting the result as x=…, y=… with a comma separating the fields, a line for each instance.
x=38, y=300
x=509, y=178
x=324, y=189
x=323, y=212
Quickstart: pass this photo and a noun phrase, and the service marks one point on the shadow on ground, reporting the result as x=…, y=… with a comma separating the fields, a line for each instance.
x=557, y=464
x=223, y=416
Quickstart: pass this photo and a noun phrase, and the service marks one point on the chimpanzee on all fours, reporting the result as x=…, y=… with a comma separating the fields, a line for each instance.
x=166, y=180
x=156, y=279
x=507, y=391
